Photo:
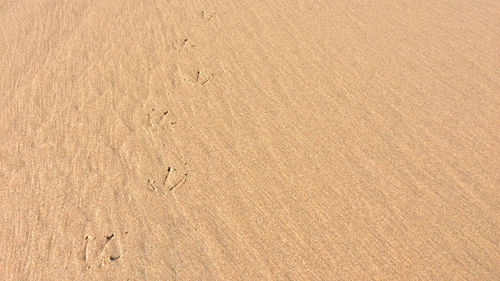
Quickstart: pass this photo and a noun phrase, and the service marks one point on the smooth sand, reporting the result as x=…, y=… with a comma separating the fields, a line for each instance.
x=249, y=140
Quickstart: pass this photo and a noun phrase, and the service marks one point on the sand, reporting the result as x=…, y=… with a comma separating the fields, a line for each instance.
x=249, y=140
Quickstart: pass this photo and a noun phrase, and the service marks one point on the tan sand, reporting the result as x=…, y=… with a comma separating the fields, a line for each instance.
x=249, y=140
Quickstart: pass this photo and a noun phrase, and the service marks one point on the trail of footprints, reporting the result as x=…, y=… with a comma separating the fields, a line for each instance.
x=160, y=120
x=199, y=77
x=100, y=251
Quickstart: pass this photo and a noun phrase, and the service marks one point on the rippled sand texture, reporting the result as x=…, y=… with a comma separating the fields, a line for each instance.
x=249, y=140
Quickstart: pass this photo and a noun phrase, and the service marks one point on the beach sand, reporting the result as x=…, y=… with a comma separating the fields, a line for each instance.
x=249, y=140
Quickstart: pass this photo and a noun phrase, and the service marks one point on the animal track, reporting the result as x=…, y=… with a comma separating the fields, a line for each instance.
x=205, y=15
x=200, y=77
x=203, y=77
x=96, y=250
x=184, y=43
x=158, y=119
x=151, y=184
x=172, y=179
x=208, y=15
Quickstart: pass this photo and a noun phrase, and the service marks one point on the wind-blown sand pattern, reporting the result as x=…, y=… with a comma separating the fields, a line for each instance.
x=249, y=140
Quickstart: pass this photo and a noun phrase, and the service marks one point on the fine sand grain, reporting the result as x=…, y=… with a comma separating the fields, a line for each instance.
x=249, y=140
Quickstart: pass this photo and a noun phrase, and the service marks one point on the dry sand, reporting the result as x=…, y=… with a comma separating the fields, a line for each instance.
x=249, y=140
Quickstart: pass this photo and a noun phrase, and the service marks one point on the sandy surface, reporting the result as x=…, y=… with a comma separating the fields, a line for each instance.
x=249, y=140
